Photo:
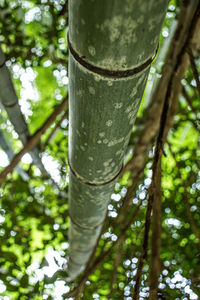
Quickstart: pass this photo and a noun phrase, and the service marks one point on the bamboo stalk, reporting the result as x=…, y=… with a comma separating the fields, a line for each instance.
x=111, y=49
x=33, y=140
x=9, y=100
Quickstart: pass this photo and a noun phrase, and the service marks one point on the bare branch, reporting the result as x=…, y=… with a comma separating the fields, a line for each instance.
x=194, y=69
x=156, y=237
x=51, y=135
x=189, y=101
x=64, y=9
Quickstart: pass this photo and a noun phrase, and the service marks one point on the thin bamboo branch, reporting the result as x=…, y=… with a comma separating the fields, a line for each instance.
x=156, y=238
x=64, y=9
x=116, y=262
x=33, y=140
x=194, y=69
x=53, y=132
x=189, y=101
x=144, y=246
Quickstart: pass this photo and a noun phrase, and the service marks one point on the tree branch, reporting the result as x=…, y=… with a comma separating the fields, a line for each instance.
x=194, y=69
x=156, y=237
x=64, y=9
x=159, y=145
x=51, y=135
x=33, y=140
x=188, y=99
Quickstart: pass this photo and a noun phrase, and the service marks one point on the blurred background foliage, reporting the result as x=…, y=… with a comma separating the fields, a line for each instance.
x=34, y=215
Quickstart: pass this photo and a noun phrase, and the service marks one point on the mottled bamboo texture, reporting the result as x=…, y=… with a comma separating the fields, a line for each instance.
x=111, y=48
x=10, y=102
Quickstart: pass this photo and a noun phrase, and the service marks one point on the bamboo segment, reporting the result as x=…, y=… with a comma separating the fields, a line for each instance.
x=111, y=49
x=97, y=115
x=9, y=100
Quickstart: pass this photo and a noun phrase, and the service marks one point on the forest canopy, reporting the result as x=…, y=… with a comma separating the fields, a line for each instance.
x=151, y=233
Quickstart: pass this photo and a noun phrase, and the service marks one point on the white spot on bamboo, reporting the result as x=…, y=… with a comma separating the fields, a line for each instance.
x=91, y=90
x=80, y=93
x=102, y=134
x=92, y=50
x=109, y=123
x=97, y=78
x=118, y=105
x=105, y=141
x=115, y=141
x=90, y=158
x=129, y=108
x=134, y=92
x=113, y=25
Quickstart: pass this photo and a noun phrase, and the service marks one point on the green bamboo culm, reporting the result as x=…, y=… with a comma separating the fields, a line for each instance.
x=9, y=100
x=111, y=48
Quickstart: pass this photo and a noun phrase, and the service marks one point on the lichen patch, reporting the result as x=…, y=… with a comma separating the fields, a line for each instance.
x=118, y=105
x=109, y=123
x=91, y=90
x=92, y=50
x=102, y=134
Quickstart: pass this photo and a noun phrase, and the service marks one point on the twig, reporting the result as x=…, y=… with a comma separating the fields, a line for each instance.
x=49, y=138
x=33, y=140
x=156, y=237
x=188, y=99
x=194, y=69
x=64, y=9
x=116, y=263
x=144, y=249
